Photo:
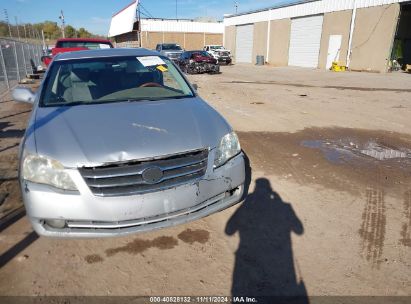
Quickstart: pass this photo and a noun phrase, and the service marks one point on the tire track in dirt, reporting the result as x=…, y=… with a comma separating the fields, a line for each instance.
x=373, y=227
x=406, y=227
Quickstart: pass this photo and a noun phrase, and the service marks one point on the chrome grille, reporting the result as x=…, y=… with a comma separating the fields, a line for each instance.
x=173, y=55
x=121, y=179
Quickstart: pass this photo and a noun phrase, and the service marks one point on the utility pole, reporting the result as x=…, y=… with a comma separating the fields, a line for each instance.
x=7, y=20
x=32, y=32
x=139, y=23
x=236, y=6
x=176, y=10
x=44, y=40
x=17, y=26
x=61, y=17
x=25, y=31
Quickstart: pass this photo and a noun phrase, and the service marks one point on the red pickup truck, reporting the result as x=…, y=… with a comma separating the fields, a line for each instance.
x=76, y=44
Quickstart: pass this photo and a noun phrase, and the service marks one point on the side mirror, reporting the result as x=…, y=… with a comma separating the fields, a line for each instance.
x=195, y=86
x=23, y=94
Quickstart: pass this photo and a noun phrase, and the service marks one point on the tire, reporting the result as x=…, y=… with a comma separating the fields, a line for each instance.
x=189, y=71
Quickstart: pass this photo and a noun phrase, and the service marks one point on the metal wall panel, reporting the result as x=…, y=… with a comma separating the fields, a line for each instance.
x=305, y=9
x=182, y=26
x=305, y=41
x=244, y=43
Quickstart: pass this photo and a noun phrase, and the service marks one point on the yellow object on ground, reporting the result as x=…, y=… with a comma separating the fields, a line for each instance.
x=338, y=68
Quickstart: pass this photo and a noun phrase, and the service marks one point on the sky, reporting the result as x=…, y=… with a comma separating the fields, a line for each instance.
x=95, y=15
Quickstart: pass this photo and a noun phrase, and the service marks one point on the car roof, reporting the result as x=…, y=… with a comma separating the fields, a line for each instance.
x=105, y=53
x=83, y=39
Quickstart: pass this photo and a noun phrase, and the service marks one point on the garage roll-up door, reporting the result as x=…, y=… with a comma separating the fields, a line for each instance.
x=244, y=43
x=305, y=41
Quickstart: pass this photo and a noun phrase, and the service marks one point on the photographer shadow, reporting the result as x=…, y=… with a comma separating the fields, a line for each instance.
x=264, y=263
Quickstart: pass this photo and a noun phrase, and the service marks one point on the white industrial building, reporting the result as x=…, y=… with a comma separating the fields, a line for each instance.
x=361, y=34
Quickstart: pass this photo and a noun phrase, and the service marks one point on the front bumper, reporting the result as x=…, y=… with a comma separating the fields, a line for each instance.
x=174, y=56
x=87, y=215
x=204, y=67
x=225, y=60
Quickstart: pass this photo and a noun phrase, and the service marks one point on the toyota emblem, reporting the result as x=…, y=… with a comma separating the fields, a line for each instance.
x=152, y=175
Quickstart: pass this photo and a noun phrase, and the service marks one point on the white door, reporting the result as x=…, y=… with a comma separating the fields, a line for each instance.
x=305, y=41
x=244, y=43
x=334, y=49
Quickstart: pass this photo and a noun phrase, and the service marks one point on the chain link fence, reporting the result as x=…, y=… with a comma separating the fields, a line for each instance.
x=17, y=60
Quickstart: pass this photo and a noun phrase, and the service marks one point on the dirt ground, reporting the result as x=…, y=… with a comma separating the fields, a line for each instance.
x=328, y=211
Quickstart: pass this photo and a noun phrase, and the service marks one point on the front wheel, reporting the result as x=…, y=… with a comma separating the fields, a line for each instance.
x=189, y=70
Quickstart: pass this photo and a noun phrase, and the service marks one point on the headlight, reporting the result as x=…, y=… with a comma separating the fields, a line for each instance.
x=228, y=148
x=42, y=170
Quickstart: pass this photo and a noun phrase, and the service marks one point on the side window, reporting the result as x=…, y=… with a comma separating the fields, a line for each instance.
x=158, y=48
x=168, y=79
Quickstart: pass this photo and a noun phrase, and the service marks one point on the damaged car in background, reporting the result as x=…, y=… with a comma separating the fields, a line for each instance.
x=119, y=142
x=198, y=62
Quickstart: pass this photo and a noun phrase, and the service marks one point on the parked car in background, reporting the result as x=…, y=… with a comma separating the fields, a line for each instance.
x=75, y=44
x=197, y=62
x=170, y=50
x=220, y=53
x=120, y=142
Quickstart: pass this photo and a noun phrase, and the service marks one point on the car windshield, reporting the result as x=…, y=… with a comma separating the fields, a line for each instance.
x=171, y=47
x=113, y=79
x=84, y=44
x=217, y=47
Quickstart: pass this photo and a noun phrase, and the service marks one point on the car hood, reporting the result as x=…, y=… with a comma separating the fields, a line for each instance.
x=204, y=59
x=173, y=52
x=93, y=135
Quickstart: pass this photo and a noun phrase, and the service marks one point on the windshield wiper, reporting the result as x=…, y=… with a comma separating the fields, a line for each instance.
x=79, y=103
x=76, y=103
x=159, y=98
x=66, y=104
x=178, y=97
x=142, y=99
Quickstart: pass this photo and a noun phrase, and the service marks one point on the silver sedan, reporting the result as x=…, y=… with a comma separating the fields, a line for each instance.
x=120, y=142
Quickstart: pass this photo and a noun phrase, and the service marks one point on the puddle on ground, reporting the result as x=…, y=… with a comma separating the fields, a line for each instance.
x=340, y=158
x=346, y=151
x=332, y=153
